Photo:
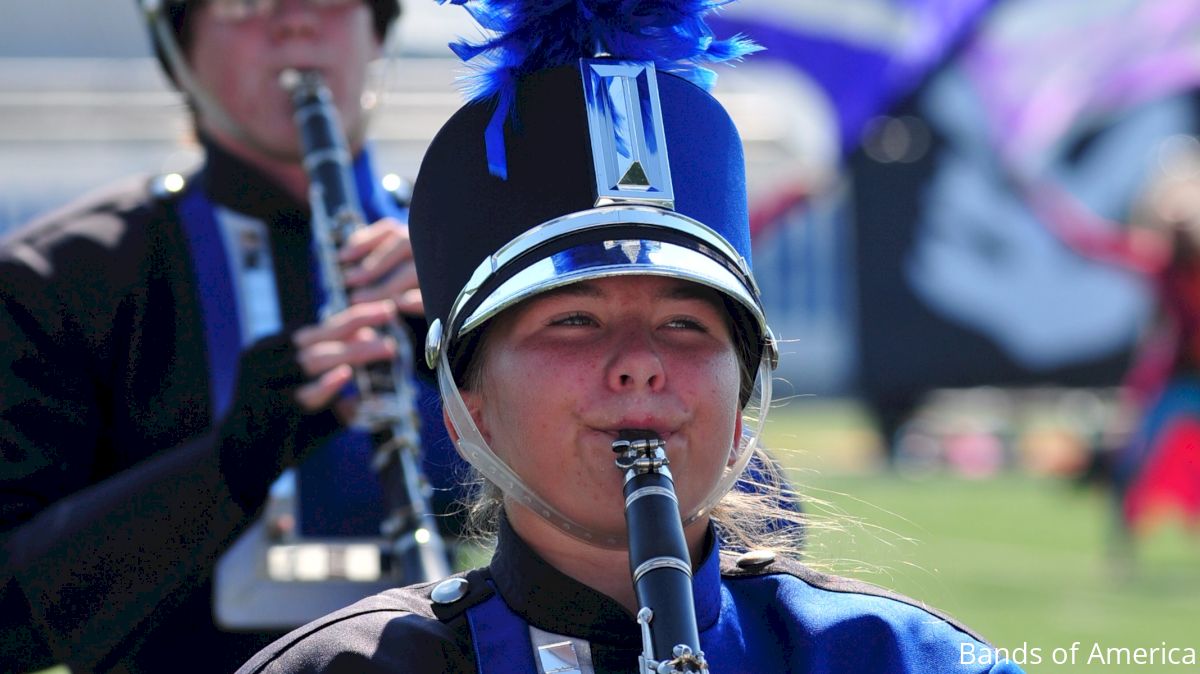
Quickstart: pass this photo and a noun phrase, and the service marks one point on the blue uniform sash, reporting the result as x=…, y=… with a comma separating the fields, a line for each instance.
x=214, y=286
x=500, y=638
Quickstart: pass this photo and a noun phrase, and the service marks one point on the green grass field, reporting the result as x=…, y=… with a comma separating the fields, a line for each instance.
x=1023, y=560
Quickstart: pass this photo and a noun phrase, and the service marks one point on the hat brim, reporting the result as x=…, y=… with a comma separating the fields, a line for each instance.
x=601, y=243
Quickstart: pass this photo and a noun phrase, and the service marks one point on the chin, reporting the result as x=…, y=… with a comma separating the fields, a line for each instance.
x=287, y=149
x=606, y=516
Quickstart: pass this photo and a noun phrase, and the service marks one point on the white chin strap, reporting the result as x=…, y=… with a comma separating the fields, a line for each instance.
x=474, y=449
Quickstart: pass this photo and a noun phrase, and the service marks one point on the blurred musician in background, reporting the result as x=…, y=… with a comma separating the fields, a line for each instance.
x=163, y=364
x=1156, y=474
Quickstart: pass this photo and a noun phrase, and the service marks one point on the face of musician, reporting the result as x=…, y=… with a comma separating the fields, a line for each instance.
x=563, y=372
x=239, y=60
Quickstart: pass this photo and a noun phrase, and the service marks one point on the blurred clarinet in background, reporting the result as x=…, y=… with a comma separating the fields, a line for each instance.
x=386, y=408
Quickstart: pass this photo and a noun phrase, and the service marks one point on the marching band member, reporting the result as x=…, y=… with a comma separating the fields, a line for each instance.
x=580, y=230
x=161, y=360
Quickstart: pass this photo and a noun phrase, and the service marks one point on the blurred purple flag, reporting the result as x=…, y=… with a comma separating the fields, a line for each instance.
x=1081, y=61
x=865, y=54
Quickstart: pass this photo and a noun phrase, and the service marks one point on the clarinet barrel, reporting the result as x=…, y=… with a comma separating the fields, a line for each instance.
x=387, y=396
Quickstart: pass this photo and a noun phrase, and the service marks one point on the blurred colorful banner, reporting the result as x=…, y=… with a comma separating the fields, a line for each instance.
x=942, y=108
x=863, y=54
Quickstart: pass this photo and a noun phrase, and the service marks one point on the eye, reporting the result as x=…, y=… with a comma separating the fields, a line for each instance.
x=574, y=319
x=686, y=323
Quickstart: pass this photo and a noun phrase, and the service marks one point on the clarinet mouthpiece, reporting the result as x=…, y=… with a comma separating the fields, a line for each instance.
x=639, y=449
x=633, y=434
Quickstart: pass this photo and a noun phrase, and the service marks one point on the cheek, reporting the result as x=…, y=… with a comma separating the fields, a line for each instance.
x=714, y=383
x=713, y=393
x=358, y=47
x=523, y=408
x=225, y=67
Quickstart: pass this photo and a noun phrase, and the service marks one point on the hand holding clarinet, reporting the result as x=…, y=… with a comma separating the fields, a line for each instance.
x=367, y=269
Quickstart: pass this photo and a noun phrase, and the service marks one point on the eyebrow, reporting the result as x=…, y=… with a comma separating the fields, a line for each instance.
x=581, y=289
x=690, y=290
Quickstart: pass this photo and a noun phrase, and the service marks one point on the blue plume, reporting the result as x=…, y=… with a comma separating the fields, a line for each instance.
x=532, y=35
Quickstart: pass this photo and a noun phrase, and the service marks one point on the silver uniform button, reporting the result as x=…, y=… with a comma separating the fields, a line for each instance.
x=450, y=591
x=755, y=559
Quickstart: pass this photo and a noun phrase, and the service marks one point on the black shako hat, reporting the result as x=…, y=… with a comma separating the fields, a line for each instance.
x=483, y=242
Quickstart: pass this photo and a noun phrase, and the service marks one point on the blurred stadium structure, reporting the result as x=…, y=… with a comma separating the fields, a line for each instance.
x=890, y=268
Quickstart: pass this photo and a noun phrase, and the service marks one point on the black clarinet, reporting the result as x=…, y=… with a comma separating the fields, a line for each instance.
x=386, y=409
x=658, y=559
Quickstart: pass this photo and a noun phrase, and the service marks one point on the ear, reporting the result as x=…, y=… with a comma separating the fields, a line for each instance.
x=736, y=445
x=474, y=402
x=450, y=429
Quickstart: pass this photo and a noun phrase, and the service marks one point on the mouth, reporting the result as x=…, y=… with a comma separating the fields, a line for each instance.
x=638, y=434
x=292, y=70
x=640, y=431
x=644, y=424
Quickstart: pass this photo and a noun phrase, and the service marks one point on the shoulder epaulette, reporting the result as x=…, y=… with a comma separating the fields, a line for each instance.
x=401, y=190
x=167, y=185
x=451, y=597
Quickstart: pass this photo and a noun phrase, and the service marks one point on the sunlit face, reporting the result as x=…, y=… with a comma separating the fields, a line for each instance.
x=564, y=372
x=238, y=62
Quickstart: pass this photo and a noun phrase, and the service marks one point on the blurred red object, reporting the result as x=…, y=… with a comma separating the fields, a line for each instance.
x=1169, y=484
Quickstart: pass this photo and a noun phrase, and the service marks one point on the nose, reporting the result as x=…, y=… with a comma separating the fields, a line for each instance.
x=295, y=18
x=636, y=365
